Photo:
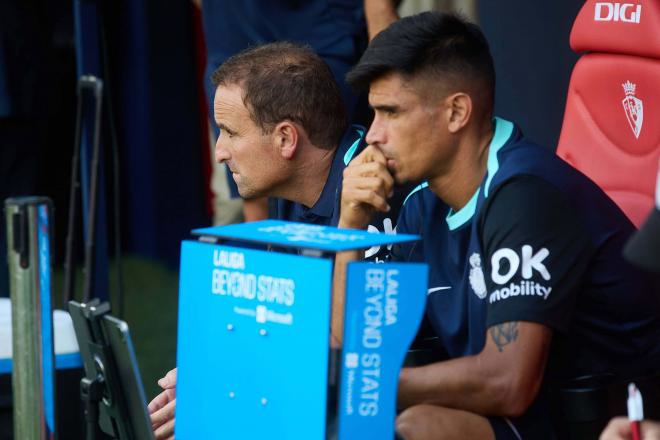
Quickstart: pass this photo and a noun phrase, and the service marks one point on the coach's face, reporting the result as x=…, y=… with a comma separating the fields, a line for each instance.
x=242, y=145
x=409, y=129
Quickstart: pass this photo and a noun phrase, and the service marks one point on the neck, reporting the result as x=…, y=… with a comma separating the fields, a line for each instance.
x=460, y=180
x=310, y=173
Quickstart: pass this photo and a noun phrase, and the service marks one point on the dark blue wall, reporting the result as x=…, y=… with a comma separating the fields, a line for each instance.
x=530, y=43
x=152, y=52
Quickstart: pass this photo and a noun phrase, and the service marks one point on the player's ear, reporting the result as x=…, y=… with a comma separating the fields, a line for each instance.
x=458, y=111
x=285, y=138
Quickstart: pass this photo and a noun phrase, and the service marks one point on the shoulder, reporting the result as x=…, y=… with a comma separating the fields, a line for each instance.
x=518, y=158
x=526, y=190
x=530, y=208
x=524, y=195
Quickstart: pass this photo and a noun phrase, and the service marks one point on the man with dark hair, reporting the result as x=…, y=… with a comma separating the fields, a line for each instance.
x=283, y=134
x=527, y=286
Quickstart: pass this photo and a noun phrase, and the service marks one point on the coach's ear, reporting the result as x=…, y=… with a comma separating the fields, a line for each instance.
x=286, y=138
x=459, y=111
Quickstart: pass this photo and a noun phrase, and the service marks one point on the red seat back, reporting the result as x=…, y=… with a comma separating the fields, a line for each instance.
x=611, y=128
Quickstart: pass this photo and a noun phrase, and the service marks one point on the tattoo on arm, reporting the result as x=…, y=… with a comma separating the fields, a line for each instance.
x=504, y=334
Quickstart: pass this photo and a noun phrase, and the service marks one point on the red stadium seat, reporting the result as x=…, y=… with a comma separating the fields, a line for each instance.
x=611, y=128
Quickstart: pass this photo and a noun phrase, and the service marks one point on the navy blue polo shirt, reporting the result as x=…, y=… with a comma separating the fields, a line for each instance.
x=539, y=242
x=326, y=210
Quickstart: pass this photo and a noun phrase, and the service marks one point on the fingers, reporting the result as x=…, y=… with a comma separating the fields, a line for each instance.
x=380, y=185
x=617, y=429
x=377, y=175
x=169, y=381
x=165, y=431
x=358, y=205
x=366, y=197
x=161, y=400
x=158, y=402
x=370, y=154
x=366, y=186
x=163, y=416
x=371, y=163
x=162, y=407
x=650, y=430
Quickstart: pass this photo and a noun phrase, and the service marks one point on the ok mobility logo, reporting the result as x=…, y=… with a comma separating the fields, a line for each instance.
x=528, y=262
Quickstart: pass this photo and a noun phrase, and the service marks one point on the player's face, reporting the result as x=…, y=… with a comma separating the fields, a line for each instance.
x=242, y=145
x=408, y=128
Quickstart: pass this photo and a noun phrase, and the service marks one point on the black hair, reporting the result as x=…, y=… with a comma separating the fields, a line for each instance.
x=286, y=81
x=432, y=45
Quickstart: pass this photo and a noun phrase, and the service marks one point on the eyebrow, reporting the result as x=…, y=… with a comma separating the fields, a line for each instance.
x=386, y=108
x=223, y=127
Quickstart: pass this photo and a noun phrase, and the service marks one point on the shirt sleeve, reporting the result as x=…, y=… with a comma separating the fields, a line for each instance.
x=537, y=253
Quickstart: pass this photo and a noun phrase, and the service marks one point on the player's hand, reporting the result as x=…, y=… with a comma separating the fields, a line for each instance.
x=619, y=429
x=161, y=409
x=366, y=187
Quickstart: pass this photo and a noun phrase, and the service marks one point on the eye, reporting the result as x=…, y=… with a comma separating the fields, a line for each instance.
x=389, y=112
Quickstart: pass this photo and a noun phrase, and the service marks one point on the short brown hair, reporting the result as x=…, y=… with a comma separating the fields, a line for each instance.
x=287, y=81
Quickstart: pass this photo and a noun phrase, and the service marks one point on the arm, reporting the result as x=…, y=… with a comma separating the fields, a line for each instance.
x=379, y=14
x=502, y=380
x=338, y=294
x=366, y=186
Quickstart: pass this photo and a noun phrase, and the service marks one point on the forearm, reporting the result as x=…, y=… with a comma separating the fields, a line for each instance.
x=366, y=185
x=379, y=15
x=503, y=379
x=465, y=383
x=339, y=291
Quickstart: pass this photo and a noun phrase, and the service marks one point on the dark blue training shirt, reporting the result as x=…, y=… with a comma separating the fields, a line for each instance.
x=537, y=242
x=326, y=210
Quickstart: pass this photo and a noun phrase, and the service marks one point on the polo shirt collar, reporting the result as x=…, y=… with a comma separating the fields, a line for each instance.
x=348, y=146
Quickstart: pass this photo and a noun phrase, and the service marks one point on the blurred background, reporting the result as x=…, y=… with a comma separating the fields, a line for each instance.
x=156, y=173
